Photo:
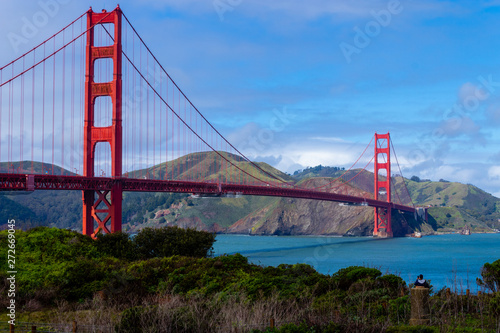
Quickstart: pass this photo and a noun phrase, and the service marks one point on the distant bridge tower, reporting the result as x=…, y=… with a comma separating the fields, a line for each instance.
x=107, y=207
x=382, y=171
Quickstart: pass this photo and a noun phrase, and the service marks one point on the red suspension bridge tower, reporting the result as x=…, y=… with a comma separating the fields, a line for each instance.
x=108, y=206
x=382, y=172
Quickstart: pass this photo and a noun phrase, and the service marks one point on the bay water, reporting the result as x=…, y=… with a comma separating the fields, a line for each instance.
x=450, y=260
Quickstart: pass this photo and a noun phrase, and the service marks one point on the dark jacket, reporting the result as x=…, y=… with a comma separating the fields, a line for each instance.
x=422, y=283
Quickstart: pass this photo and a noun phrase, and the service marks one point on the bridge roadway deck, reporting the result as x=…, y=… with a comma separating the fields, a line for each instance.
x=23, y=182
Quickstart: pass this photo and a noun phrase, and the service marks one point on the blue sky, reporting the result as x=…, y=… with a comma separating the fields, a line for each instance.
x=302, y=83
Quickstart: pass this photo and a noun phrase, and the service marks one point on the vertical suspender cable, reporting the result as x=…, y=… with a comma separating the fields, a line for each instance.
x=63, y=103
x=191, y=148
x=82, y=98
x=134, y=110
x=43, y=110
x=140, y=112
x=53, y=104
x=72, y=102
x=21, y=123
x=154, y=122
x=33, y=115
x=147, y=117
x=161, y=132
x=172, y=135
x=168, y=133
x=10, y=123
x=1, y=113
x=178, y=136
x=184, y=143
x=125, y=110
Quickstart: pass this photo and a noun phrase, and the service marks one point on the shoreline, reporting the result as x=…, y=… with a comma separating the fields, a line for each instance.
x=436, y=233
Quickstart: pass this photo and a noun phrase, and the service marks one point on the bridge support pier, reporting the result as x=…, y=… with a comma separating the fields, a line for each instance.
x=383, y=227
x=107, y=208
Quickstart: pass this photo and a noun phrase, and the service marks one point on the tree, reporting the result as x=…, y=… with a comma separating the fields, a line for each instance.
x=118, y=245
x=491, y=276
x=415, y=179
x=170, y=241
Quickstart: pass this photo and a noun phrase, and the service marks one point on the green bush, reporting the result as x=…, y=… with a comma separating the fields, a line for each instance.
x=345, y=277
x=491, y=276
x=330, y=301
x=171, y=241
x=131, y=319
x=117, y=245
x=399, y=309
x=63, y=264
x=392, y=283
x=494, y=304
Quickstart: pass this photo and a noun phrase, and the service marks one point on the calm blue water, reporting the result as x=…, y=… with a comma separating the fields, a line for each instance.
x=447, y=260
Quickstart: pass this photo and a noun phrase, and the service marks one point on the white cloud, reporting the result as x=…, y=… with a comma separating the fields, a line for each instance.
x=467, y=90
x=454, y=127
x=494, y=172
x=328, y=139
x=301, y=154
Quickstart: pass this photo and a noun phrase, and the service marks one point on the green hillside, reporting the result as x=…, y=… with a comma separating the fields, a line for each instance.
x=28, y=167
x=450, y=205
x=211, y=166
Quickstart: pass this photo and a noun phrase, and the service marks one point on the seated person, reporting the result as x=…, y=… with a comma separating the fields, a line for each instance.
x=421, y=282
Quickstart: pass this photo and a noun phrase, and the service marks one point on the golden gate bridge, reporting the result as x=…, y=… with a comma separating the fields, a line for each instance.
x=94, y=100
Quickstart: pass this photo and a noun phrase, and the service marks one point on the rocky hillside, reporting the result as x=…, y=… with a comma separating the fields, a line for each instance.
x=451, y=205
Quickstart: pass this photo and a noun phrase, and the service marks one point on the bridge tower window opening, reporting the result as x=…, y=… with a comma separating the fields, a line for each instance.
x=381, y=158
x=104, y=34
x=102, y=160
x=103, y=111
x=103, y=70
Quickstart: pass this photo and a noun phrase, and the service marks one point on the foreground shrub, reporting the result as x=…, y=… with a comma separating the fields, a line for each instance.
x=118, y=245
x=64, y=264
x=171, y=241
x=345, y=277
x=491, y=276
